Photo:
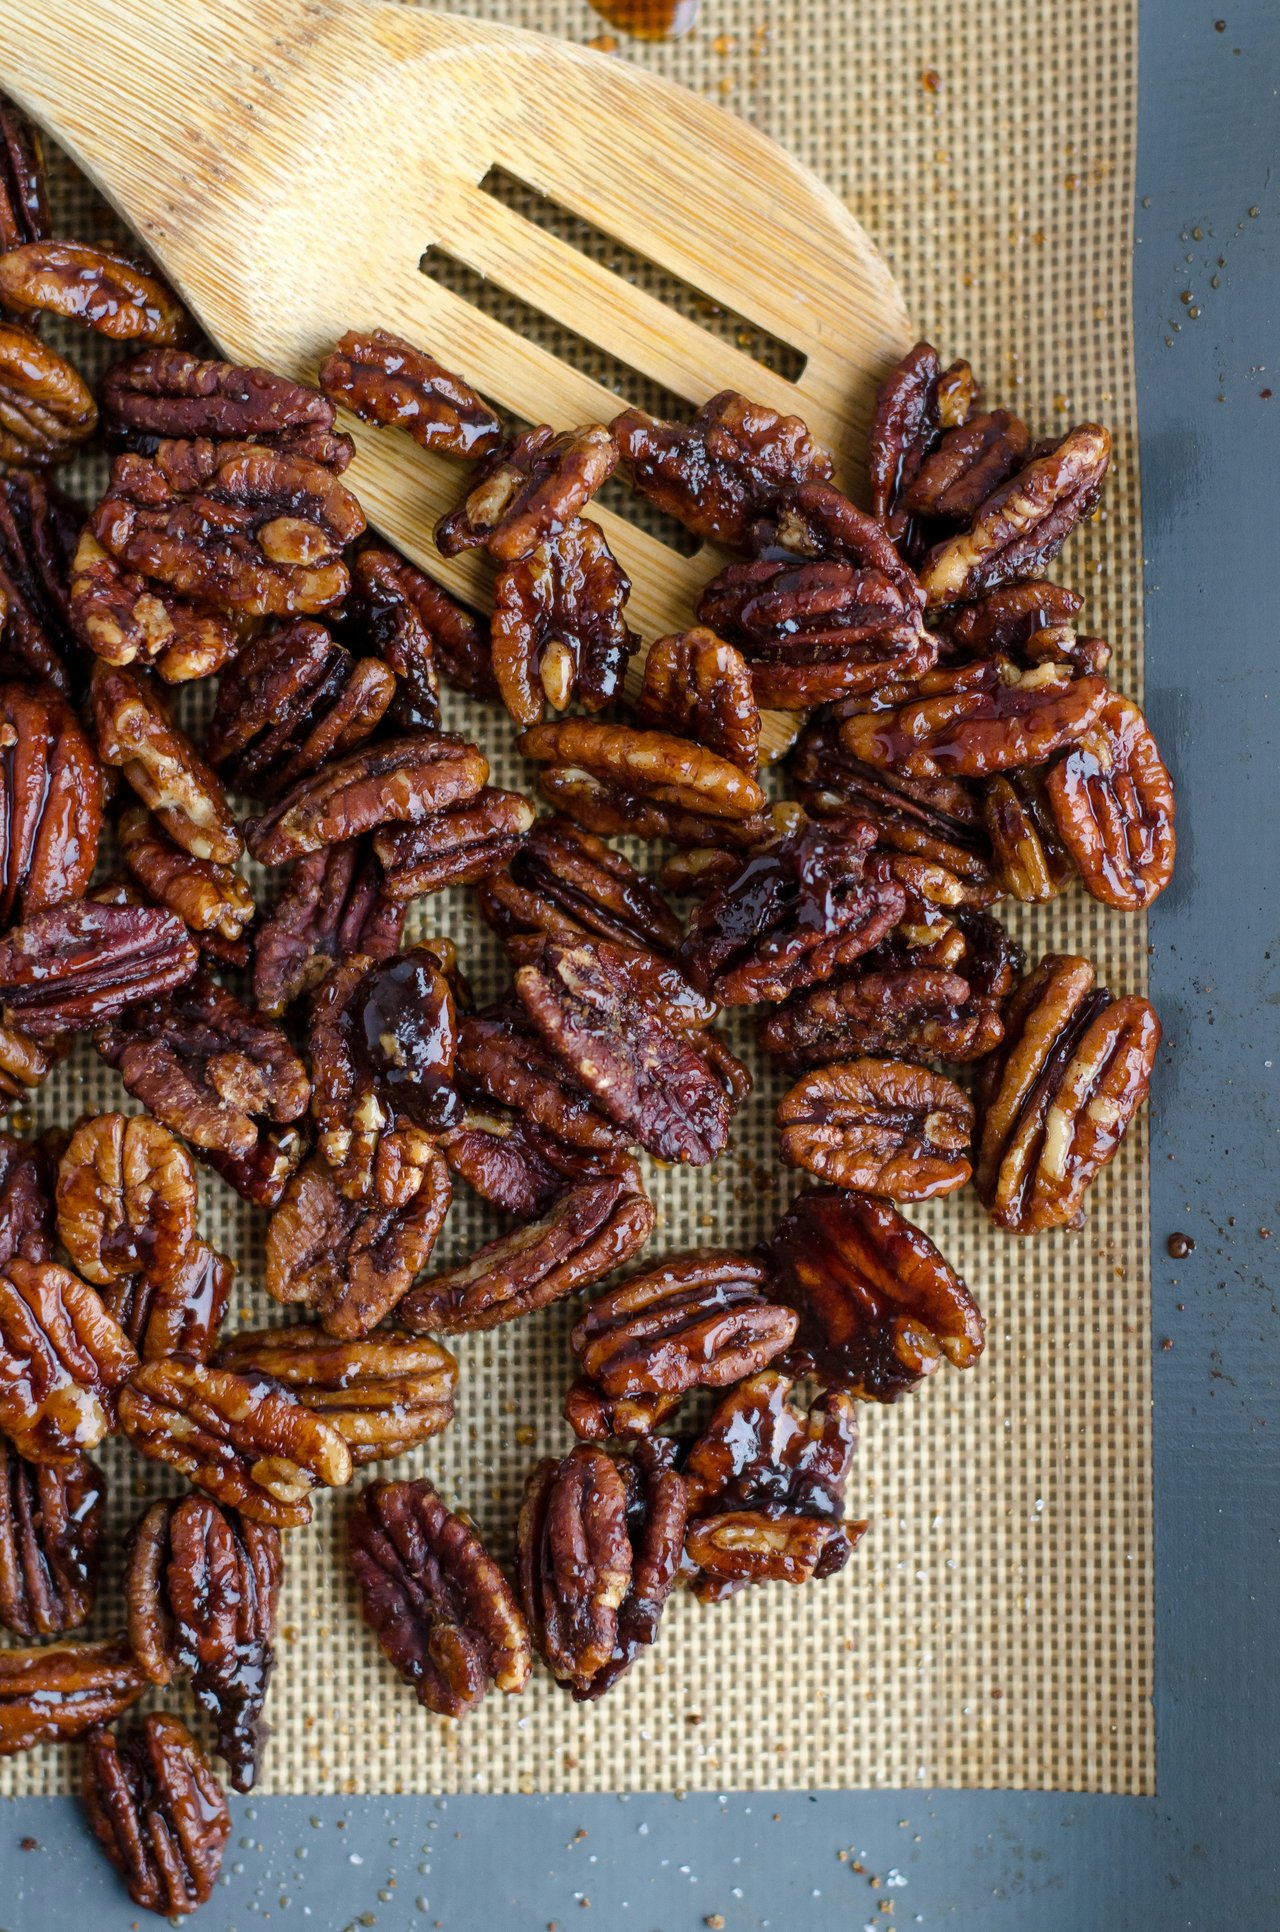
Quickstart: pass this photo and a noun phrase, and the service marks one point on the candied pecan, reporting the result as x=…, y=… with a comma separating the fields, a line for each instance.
x=878, y=1305
x=51, y=797
x=529, y=491
x=1112, y=802
x=565, y=882
x=81, y=962
x=765, y=1486
x=136, y=734
x=499, y=1057
x=511, y=1163
x=459, y=846
x=415, y=626
x=1058, y=1098
x=699, y=687
x=441, y=1609
x=23, y=1065
x=558, y=629
x=698, y=1320
x=243, y=1438
x=202, y=1585
x=383, y=1393
x=178, y=1313
x=916, y=402
x=164, y=393
x=725, y=468
x=1023, y=525
x=62, y=1361
x=968, y=463
x=642, y=1069
x=26, y=1211
x=50, y=1523
x=293, y=700
x=105, y=291
x=54, y=1691
x=648, y=767
x=24, y=210
x=1028, y=621
x=158, y=1812
x=46, y=409
x=233, y=524
x=401, y=781
x=383, y=379
x=333, y=904
x=126, y=1199
x=914, y=1012
x=38, y=530
x=592, y=1226
x=1032, y=862
x=980, y=718
x=213, y=902
x=818, y=521
x=791, y=915
x=122, y=617
x=879, y=1127
x=351, y=1261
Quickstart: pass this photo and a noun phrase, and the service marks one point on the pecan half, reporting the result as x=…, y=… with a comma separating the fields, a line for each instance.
x=499, y=1057
x=103, y=290
x=46, y=409
x=293, y=700
x=567, y=883
x=718, y=473
x=1023, y=525
x=969, y=462
x=401, y=781
x=51, y=798
x=1112, y=802
x=352, y=1261
x=26, y=1211
x=415, y=626
x=699, y=1320
x=233, y=524
x=164, y=393
x=529, y=491
x=459, y=846
x=1059, y=1097
x=80, y=962
x=24, y=209
x=384, y=1394
x=383, y=379
x=126, y=1199
x=136, y=734
x=441, y=1609
x=879, y=1127
x=243, y=1438
x=158, y=1812
x=912, y=1011
x=981, y=718
x=333, y=904
x=647, y=768
x=178, y=1313
x=56, y=1691
x=599, y=1544
x=558, y=628
x=125, y=618
x=50, y=1526
x=698, y=686
x=916, y=402
x=38, y=531
x=1032, y=861
x=819, y=522
x=879, y=1306
x=1027, y=621
x=202, y=1585
x=213, y=902
x=62, y=1362
x=592, y=1227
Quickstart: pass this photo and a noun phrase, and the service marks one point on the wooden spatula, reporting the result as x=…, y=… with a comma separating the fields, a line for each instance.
x=289, y=163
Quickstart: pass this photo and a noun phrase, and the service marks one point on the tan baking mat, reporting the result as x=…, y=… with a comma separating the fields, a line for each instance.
x=995, y=1626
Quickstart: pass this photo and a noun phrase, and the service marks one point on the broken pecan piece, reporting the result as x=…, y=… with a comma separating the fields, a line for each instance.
x=125, y=618
x=292, y=701
x=161, y=394
x=62, y=1362
x=105, y=291
x=158, y=1812
x=1032, y=861
x=401, y=781
x=136, y=734
x=1058, y=1098
x=879, y=1127
x=529, y=491
x=567, y=883
x=878, y=1305
x=333, y=904
x=1112, y=802
x=24, y=208
x=46, y=409
x=55, y=1691
x=213, y=902
x=51, y=798
x=202, y=1585
x=558, y=629
x=416, y=626
x=383, y=379
x=592, y=1226
x=126, y=1199
x=599, y=1543
x=80, y=962
x=718, y=473
x=50, y=1526
x=26, y=1211
x=979, y=718
x=698, y=686
x=441, y=1609
x=384, y=1394
x=38, y=531
x=510, y=1162
x=916, y=402
x=243, y=1438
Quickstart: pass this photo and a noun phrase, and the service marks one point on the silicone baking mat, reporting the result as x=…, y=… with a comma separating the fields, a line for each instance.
x=994, y=1628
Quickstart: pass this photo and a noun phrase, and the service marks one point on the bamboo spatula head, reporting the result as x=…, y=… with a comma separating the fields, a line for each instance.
x=289, y=164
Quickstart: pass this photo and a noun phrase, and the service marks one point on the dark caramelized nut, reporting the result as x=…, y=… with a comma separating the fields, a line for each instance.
x=500, y=1058
x=969, y=462
x=600, y=1541
x=136, y=734
x=24, y=209
x=509, y=1162
x=699, y=687
x=1015, y=620
x=158, y=1812
x=26, y=1211
x=352, y=1261
x=984, y=717
x=292, y=701
x=213, y=902
x=50, y=1524
x=1022, y=525
x=441, y=1609
x=95, y=286
x=1112, y=802
x=911, y=1012
x=62, y=1362
x=558, y=628
x=384, y=1394
x=791, y=915
x=333, y=905
x=237, y=525
x=416, y=627
x=164, y=393
x=459, y=846
x=56, y=1691
x=529, y=491
x=651, y=766
x=566, y=883
x=38, y=533
x=879, y=1127
x=1058, y=1098
x=720, y=472
x=126, y=1199
x=79, y=963
x=46, y=409
x=23, y=1065
x=383, y=379
x=917, y=401
x=1032, y=862
x=401, y=781
x=879, y=1306
x=51, y=797
x=591, y=1228
x=178, y=1313
x=124, y=618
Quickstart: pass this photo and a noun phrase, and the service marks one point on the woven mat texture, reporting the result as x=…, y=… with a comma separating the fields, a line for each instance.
x=995, y=1626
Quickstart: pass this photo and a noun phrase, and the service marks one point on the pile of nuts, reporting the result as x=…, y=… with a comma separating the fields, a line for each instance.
x=962, y=745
